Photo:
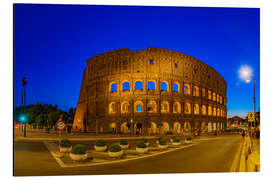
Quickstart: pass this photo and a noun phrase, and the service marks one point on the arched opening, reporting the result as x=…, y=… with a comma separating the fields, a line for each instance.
x=176, y=108
x=164, y=107
x=203, y=92
x=151, y=107
x=196, y=109
x=113, y=87
x=214, y=126
x=125, y=107
x=221, y=113
x=209, y=127
x=138, y=85
x=177, y=127
x=176, y=87
x=187, y=108
x=203, y=127
x=151, y=85
x=214, y=96
x=218, y=112
x=209, y=95
x=221, y=126
x=164, y=128
x=112, y=108
x=218, y=98
x=186, y=89
x=125, y=86
x=153, y=128
x=164, y=86
x=209, y=111
x=138, y=128
x=203, y=110
x=113, y=127
x=187, y=127
x=218, y=126
x=214, y=111
x=138, y=106
x=125, y=127
x=195, y=91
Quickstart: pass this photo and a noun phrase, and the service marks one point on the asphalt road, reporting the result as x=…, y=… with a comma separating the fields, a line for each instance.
x=33, y=159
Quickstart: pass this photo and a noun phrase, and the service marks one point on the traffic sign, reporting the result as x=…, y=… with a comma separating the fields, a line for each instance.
x=60, y=125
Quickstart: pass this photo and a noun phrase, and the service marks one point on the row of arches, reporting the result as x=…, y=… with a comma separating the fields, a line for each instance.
x=165, y=108
x=164, y=86
x=151, y=85
x=164, y=127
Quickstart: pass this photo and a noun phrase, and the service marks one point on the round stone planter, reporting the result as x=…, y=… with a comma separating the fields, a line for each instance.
x=78, y=157
x=188, y=141
x=176, y=143
x=147, y=143
x=162, y=146
x=65, y=149
x=115, y=154
x=141, y=150
x=124, y=146
x=100, y=148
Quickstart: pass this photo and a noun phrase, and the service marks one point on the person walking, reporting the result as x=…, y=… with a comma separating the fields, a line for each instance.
x=243, y=134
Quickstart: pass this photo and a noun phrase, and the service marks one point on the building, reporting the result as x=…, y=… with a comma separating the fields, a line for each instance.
x=237, y=122
x=252, y=121
x=150, y=91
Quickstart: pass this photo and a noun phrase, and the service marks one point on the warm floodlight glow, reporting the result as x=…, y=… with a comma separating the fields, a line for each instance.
x=245, y=73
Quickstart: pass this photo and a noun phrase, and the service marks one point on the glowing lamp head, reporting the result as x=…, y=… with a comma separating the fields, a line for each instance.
x=245, y=73
x=23, y=118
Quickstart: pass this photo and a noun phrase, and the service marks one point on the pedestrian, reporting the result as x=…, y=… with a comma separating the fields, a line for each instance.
x=243, y=134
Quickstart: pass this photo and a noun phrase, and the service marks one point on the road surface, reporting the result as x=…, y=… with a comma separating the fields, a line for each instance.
x=216, y=155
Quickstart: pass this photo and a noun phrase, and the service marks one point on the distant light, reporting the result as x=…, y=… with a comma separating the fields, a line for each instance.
x=23, y=118
x=245, y=73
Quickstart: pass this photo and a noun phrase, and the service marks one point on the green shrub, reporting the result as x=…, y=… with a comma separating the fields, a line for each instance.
x=123, y=142
x=115, y=148
x=162, y=142
x=141, y=145
x=78, y=149
x=144, y=140
x=188, y=138
x=65, y=142
x=176, y=139
x=160, y=138
x=100, y=143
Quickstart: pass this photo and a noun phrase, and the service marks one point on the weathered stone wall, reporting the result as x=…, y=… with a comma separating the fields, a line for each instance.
x=122, y=65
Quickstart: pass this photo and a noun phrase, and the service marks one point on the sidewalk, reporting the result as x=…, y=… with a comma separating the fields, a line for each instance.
x=54, y=136
x=250, y=155
x=253, y=159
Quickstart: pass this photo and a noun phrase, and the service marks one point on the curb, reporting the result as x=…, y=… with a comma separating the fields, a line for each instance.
x=51, y=148
x=236, y=161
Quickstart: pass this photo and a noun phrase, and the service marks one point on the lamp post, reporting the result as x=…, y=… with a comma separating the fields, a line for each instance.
x=246, y=74
x=24, y=80
x=254, y=100
x=131, y=122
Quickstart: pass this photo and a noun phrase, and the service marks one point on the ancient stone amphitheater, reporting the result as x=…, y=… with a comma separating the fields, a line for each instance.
x=151, y=91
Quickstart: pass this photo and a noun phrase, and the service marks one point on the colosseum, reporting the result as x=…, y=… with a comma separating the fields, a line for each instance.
x=151, y=91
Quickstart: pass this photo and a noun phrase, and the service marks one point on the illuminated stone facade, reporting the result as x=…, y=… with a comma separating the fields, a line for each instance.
x=150, y=91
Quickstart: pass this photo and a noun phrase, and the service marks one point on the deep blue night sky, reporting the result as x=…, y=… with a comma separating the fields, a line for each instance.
x=53, y=42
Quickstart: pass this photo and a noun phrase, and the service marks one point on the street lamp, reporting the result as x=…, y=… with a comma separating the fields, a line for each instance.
x=246, y=74
x=23, y=118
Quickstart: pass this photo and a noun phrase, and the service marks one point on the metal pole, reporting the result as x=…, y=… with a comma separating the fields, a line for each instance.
x=254, y=102
x=22, y=108
x=24, y=129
